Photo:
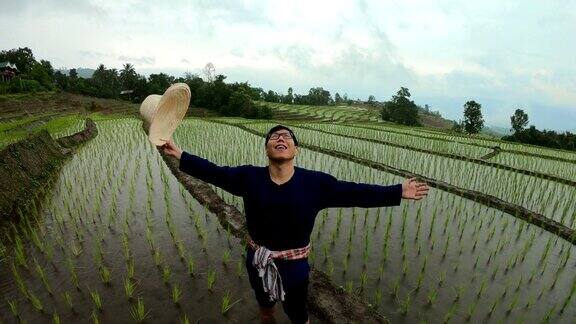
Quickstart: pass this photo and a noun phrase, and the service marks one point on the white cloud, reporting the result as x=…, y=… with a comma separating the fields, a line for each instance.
x=503, y=55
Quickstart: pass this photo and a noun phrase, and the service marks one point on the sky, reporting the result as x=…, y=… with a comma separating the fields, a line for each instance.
x=505, y=55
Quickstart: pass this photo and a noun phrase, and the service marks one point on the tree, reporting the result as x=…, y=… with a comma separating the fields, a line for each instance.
x=318, y=97
x=158, y=83
x=289, y=98
x=371, y=100
x=400, y=109
x=473, y=121
x=337, y=98
x=209, y=72
x=458, y=127
x=73, y=74
x=519, y=120
x=22, y=57
x=128, y=77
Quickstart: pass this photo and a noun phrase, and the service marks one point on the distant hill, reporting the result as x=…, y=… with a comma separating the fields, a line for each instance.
x=84, y=73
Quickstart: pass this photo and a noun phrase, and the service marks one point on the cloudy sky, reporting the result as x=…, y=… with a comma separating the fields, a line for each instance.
x=503, y=54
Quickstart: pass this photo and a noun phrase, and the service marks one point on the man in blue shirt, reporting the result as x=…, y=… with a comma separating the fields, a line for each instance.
x=281, y=202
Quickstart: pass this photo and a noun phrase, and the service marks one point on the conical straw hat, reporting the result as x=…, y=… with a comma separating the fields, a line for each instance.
x=163, y=114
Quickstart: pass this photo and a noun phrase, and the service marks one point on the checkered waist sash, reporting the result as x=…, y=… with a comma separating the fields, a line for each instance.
x=264, y=262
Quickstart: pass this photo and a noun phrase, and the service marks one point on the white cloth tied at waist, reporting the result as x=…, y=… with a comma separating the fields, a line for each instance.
x=267, y=270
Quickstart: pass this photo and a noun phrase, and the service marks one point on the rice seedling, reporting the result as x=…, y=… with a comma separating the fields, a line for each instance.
x=567, y=300
x=450, y=313
x=13, y=308
x=129, y=288
x=363, y=279
x=176, y=294
x=19, y=253
x=130, y=268
x=190, y=265
x=349, y=286
x=405, y=305
x=432, y=295
x=35, y=301
x=55, y=318
x=211, y=279
x=157, y=257
x=226, y=304
x=94, y=316
x=95, y=296
x=138, y=311
x=42, y=274
x=181, y=251
x=106, y=275
x=166, y=274
x=226, y=256
x=68, y=300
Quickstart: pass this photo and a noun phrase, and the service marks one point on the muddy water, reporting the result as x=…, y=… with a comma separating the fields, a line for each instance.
x=504, y=284
x=103, y=194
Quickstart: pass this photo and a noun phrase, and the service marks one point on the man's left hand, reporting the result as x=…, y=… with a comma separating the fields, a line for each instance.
x=412, y=189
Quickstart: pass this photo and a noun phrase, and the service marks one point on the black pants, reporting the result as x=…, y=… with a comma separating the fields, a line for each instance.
x=295, y=275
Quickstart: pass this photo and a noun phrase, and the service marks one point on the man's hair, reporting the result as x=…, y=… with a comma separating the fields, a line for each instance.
x=279, y=127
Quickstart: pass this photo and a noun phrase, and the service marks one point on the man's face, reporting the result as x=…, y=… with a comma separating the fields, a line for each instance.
x=280, y=146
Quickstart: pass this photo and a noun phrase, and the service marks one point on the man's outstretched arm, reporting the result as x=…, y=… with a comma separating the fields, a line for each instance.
x=338, y=193
x=225, y=177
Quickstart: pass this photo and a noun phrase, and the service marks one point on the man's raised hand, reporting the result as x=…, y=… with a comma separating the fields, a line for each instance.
x=412, y=189
x=171, y=149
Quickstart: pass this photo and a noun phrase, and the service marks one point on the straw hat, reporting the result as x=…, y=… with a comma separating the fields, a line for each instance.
x=162, y=114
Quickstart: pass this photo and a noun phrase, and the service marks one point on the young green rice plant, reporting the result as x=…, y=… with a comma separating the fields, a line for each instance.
x=493, y=306
x=126, y=247
x=405, y=305
x=190, y=265
x=19, y=253
x=138, y=311
x=377, y=297
x=129, y=288
x=42, y=274
x=226, y=304
x=13, y=308
x=181, y=251
x=130, y=268
x=166, y=274
x=106, y=275
x=55, y=318
x=450, y=313
x=226, y=256
x=396, y=288
x=363, y=279
x=157, y=257
x=567, y=300
x=512, y=304
x=95, y=296
x=459, y=291
x=471, y=310
x=68, y=300
x=36, y=302
x=211, y=279
x=481, y=290
x=549, y=314
x=349, y=286
x=432, y=295
x=176, y=294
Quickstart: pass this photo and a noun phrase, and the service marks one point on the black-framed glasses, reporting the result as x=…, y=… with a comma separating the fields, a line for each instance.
x=276, y=136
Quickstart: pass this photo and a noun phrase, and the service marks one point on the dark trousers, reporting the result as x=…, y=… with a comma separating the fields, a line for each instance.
x=295, y=275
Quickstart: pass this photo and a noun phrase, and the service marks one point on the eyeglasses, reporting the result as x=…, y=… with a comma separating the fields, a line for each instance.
x=276, y=136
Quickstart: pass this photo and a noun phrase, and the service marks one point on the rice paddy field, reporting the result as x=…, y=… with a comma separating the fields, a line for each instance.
x=117, y=239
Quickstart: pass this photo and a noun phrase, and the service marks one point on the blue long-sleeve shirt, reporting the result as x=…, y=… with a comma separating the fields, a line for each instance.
x=282, y=217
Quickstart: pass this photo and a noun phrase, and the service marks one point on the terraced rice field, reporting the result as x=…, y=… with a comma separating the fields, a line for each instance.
x=118, y=239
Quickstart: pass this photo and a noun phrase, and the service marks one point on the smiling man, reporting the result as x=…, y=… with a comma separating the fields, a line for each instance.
x=281, y=202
